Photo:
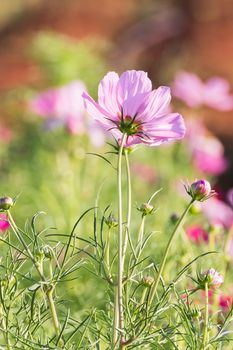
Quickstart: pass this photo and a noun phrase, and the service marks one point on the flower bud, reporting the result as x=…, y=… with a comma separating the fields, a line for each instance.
x=200, y=190
x=47, y=252
x=146, y=209
x=211, y=277
x=111, y=221
x=148, y=281
x=6, y=203
x=39, y=254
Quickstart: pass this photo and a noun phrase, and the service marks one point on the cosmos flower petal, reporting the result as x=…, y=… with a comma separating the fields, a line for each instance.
x=132, y=105
x=107, y=93
x=97, y=112
x=155, y=104
x=132, y=83
x=169, y=126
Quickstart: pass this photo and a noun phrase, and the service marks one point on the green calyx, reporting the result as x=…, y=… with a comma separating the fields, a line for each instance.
x=128, y=126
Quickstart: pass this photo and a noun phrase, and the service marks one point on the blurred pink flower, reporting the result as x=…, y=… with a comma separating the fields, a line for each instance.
x=197, y=234
x=127, y=104
x=206, y=150
x=225, y=302
x=218, y=212
x=214, y=93
x=64, y=106
x=4, y=223
x=145, y=171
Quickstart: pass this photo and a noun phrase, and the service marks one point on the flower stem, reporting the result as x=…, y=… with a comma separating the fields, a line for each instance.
x=129, y=205
x=119, y=307
x=206, y=321
x=116, y=319
x=162, y=265
x=107, y=260
x=140, y=234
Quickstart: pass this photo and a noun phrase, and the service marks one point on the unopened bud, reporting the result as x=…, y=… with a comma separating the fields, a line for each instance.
x=148, y=281
x=146, y=209
x=6, y=203
x=200, y=190
x=174, y=218
x=39, y=254
x=111, y=221
x=211, y=277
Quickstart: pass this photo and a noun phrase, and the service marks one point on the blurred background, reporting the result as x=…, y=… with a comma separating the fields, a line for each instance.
x=46, y=44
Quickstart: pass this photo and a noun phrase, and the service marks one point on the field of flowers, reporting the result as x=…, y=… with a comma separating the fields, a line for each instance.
x=115, y=231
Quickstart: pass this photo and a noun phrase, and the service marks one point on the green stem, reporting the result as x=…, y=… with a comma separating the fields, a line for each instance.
x=107, y=259
x=120, y=245
x=143, y=296
x=53, y=311
x=206, y=320
x=116, y=319
x=140, y=234
x=162, y=265
x=129, y=205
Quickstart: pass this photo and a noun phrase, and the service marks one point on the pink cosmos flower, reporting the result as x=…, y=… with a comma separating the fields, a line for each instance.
x=214, y=93
x=4, y=223
x=197, y=234
x=64, y=106
x=127, y=105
